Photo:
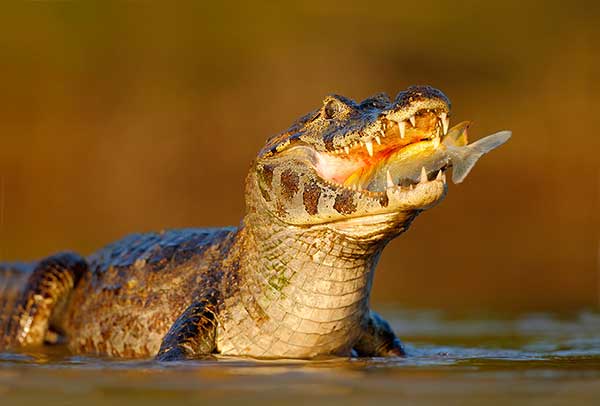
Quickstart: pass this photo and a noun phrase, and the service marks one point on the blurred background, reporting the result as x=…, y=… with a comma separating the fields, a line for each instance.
x=120, y=117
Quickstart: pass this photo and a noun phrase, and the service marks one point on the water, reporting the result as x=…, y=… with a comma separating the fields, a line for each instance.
x=534, y=359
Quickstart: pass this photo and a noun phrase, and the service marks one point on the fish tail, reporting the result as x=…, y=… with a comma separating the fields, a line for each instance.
x=464, y=158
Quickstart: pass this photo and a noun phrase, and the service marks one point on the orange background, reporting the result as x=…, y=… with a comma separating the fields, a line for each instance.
x=127, y=117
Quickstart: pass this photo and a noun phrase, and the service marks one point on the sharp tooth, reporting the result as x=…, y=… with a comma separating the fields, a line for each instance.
x=436, y=142
x=413, y=121
x=369, y=145
x=389, y=192
x=347, y=149
x=445, y=122
x=423, y=175
x=439, y=175
x=402, y=128
x=444, y=177
x=390, y=181
x=411, y=186
x=377, y=139
x=382, y=133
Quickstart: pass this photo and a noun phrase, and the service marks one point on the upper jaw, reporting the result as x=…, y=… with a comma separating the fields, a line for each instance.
x=421, y=121
x=363, y=124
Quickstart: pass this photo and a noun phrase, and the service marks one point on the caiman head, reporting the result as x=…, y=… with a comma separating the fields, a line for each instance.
x=318, y=173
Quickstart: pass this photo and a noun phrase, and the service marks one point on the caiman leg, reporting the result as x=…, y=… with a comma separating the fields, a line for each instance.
x=47, y=288
x=12, y=280
x=193, y=335
x=378, y=339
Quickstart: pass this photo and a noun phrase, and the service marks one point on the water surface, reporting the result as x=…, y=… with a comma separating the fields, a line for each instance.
x=533, y=359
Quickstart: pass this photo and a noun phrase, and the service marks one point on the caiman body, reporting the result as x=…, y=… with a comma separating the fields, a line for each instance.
x=292, y=281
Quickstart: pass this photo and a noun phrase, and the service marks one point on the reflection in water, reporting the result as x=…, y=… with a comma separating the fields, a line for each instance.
x=454, y=360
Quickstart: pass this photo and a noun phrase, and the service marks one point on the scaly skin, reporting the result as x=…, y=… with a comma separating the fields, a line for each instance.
x=293, y=280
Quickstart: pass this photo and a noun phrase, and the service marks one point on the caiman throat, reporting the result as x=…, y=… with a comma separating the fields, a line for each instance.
x=323, y=199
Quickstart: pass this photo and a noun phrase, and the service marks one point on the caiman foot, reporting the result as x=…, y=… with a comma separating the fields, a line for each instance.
x=378, y=339
x=47, y=288
x=193, y=335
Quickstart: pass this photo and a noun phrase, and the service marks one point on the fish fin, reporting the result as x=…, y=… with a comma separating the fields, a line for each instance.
x=457, y=135
x=464, y=158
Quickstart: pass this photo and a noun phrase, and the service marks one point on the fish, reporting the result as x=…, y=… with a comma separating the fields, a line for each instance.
x=404, y=167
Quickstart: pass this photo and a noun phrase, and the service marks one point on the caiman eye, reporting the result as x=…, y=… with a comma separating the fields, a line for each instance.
x=331, y=109
x=335, y=106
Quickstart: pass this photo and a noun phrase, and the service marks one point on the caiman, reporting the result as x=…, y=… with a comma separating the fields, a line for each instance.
x=323, y=199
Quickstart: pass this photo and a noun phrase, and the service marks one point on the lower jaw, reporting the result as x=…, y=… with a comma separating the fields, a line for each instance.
x=376, y=227
x=394, y=220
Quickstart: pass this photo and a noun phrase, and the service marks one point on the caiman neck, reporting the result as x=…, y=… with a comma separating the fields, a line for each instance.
x=303, y=291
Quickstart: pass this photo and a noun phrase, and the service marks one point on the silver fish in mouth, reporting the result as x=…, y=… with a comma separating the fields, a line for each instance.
x=413, y=162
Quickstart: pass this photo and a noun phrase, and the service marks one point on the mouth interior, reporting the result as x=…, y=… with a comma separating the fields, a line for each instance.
x=361, y=166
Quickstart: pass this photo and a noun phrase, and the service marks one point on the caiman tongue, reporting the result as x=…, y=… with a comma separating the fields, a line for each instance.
x=405, y=166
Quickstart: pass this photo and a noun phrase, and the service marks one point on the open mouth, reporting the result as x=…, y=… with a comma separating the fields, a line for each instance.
x=401, y=155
